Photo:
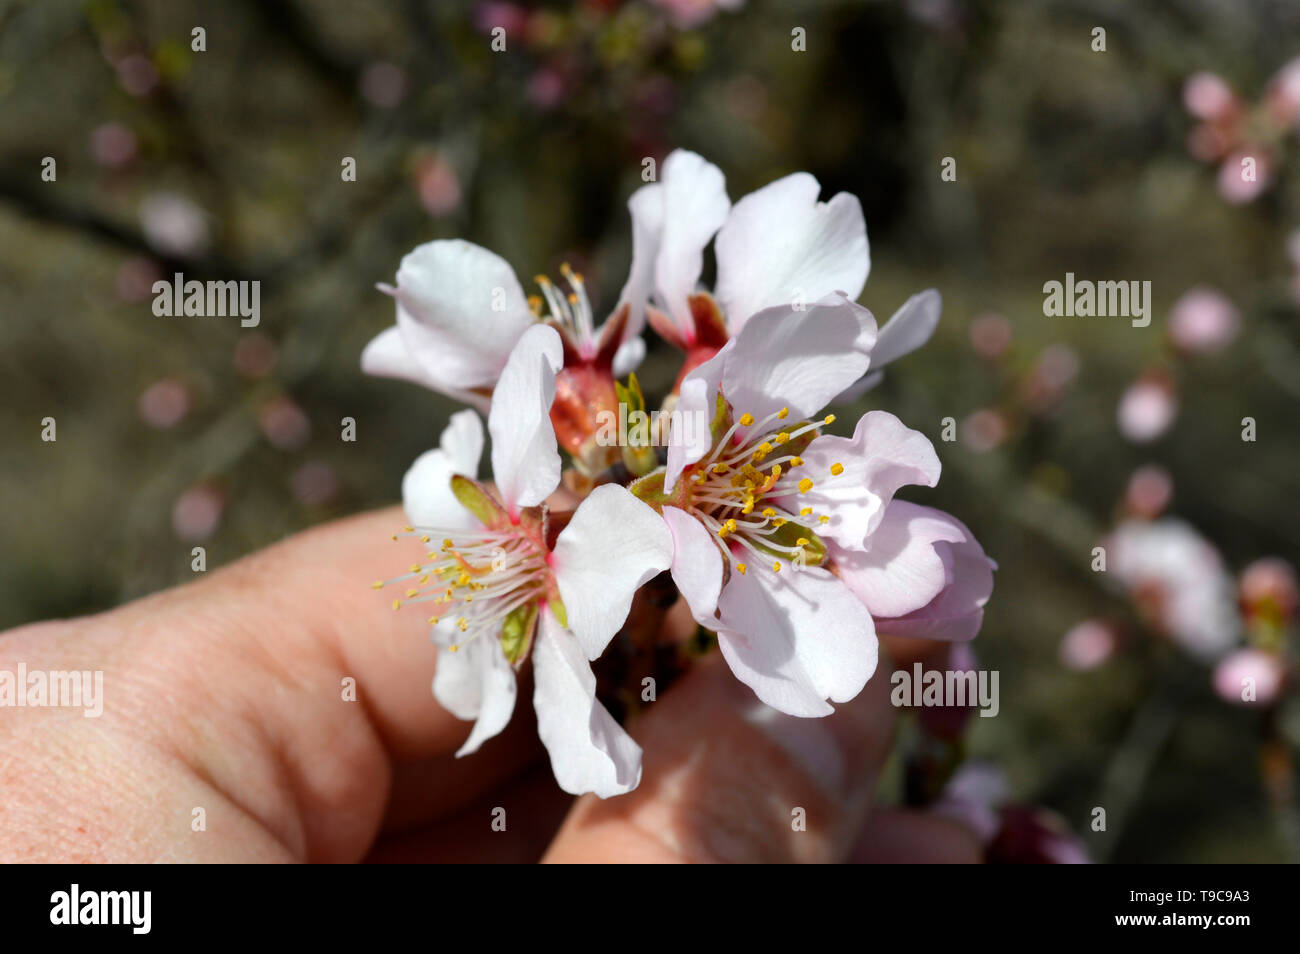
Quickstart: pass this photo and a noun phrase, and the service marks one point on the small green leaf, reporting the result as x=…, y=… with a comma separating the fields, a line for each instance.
x=517, y=632
x=557, y=608
x=650, y=489
x=475, y=498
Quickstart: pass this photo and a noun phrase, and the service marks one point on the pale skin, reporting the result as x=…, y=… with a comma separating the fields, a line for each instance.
x=227, y=695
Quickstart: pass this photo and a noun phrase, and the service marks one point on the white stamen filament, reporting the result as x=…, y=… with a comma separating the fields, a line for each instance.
x=482, y=576
x=735, y=488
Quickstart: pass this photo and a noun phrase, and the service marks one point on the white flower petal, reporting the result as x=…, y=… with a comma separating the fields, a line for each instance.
x=476, y=682
x=589, y=751
x=697, y=564
x=797, y=638
x=462, y=440
x=387, y=356
x=697, y=400
x=799, y=359
x=647, y=209
x=629, y=356
x=613, y=545
x=525, y=461
x=882, y=455
x=909, y=328
x=695, y=205
x=426, y=487
x=859, y=388
x=461, y=310
x=780, y=245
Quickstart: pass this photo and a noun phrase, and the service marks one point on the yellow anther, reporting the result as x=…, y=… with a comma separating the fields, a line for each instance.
x=829, y=419
x=805, y=485
x=397, y=604
x=720, y=468
x=433, y=621
x=452, y=648
x=565, y=269
x=462, y=579
x=801, y=542
x=409, y=529
x=741, y=568
x=746, y=420
x=805, y=511
x=776, y=567
x=780, y=522
x=783, y=413
x=823, y=519
x=837, y=469
x=769, y=512
x=542, y=280
x=776, y=473
x=782, y=437
x=722, y=530
x=423, y=580
x=424, y=539
x=378, y=584
x=448, y=543
x=573, y=299
x=462, y=624
x=731, y=526
x=535, y=304
x=415, y=568
x=796, y=461
x=410, y=594
x=749, y=506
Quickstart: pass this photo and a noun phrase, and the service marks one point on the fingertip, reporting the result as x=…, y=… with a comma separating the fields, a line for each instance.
x=728, y=779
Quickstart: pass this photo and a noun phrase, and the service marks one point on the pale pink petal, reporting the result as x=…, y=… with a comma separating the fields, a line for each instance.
x=1250, y=677
x=881, y=456
x=903, y=570
x=909, y=328
x=958, y=611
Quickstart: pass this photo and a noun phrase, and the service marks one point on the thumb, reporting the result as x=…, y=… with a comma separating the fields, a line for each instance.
x=728, y=779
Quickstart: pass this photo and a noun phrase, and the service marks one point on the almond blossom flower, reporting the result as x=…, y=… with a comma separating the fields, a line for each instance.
x=461, y=310
x=1250, y=677
x=777, y=246
x=1179, y=583
x=500, y=581
x=774, y=523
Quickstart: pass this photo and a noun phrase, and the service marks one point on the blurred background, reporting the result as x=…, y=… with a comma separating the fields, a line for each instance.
x=1115, y=164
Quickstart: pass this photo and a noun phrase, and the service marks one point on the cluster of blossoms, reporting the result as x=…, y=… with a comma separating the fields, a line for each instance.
x=1245, y=139
x=785, y=540
x=1182, y=590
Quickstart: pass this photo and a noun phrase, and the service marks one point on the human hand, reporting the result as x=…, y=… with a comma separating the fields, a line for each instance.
x=229, y=695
